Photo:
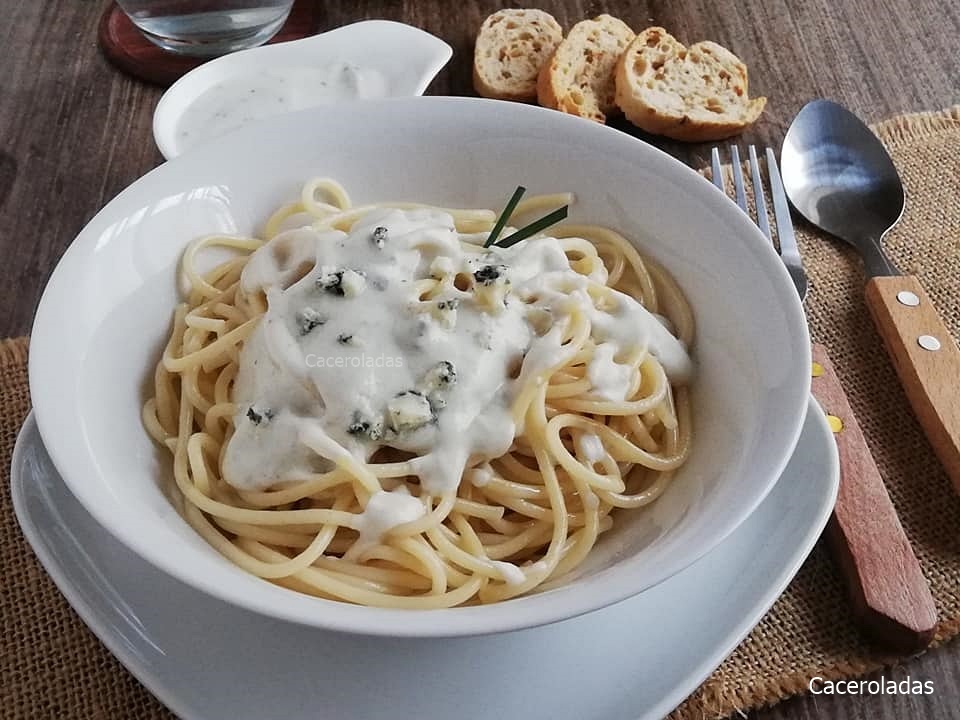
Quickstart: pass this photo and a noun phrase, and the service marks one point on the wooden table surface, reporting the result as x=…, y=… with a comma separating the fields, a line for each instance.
x=74, y=132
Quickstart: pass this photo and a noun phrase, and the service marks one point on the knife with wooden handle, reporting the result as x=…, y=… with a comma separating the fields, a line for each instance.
x=889, y=594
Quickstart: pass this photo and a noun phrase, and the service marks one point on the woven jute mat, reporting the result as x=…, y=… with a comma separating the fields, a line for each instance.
x=51, y=666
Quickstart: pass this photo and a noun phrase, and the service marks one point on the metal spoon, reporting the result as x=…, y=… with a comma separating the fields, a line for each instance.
x=839, y=176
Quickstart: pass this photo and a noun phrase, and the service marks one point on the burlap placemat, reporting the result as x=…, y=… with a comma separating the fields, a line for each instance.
x=51, y=666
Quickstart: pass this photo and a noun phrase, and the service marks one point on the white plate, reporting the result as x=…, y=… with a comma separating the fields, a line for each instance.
x=208, y=660
x=106, y=312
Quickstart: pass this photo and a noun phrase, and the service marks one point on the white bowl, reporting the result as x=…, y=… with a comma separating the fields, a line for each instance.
x=106, y=312
x=404, y=58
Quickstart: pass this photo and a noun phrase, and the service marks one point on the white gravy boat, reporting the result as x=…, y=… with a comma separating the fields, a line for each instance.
x=374, y=58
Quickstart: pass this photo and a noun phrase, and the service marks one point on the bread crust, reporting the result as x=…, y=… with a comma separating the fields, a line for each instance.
x=694, y=94
x=510, y=48
x=578, y=79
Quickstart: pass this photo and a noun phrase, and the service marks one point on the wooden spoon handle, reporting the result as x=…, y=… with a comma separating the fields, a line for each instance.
x=889, y=594
x=926, y=358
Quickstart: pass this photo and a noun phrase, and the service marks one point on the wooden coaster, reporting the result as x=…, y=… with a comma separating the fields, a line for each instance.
x=124, y=45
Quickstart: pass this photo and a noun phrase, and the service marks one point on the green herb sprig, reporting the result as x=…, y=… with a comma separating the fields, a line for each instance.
x=526, y=231
x=533, y=228
x=505, y=215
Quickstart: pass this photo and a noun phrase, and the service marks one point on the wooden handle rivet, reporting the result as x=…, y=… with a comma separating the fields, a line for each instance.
x=817, y=370
x=905, y=297
x=835, y=423
x=928, y=342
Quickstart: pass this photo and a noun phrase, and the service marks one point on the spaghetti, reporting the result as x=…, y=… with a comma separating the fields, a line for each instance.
x=369, y=406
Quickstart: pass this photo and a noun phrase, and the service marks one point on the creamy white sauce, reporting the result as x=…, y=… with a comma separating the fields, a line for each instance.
x=347, y=359
x=479, y=476
x=256, y=94
x=591, y=501
x=590, y=447
x=630, y=317
x=538, y=567
x=384, y=510
x=610, y=380
x=511, y=574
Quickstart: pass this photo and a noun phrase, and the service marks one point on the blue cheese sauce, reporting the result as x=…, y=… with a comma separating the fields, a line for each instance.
x=254, y=95
x=352, y=356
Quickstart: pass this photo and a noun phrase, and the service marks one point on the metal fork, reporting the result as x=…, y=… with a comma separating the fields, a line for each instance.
x=789, y=252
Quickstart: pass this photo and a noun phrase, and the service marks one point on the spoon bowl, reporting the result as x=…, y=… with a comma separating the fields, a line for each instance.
x=839, y=176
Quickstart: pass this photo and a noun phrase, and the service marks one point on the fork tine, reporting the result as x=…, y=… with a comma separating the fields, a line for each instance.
x=716, y=172
x=781, y=214
x=762, y=219
x=781, y=211
x=738, y=177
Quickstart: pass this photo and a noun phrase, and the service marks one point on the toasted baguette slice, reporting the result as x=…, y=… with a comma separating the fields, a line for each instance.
x=695, y=94
x=511, y=47
x=578, y=79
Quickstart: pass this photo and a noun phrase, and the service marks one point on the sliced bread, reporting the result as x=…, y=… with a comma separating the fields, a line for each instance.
x=694, y=94
x=578, y=79
x=511, y=47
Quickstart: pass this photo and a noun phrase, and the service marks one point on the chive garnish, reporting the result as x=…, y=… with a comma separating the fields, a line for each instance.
x=505, y=215
x=534, y=227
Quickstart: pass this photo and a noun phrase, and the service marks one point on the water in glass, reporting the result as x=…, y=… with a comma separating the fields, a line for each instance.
x=207, y=27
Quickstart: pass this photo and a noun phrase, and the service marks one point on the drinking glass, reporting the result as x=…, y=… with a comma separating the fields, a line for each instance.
x=207, y=28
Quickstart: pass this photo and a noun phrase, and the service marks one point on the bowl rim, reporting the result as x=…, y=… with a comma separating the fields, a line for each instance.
x=76, y=463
